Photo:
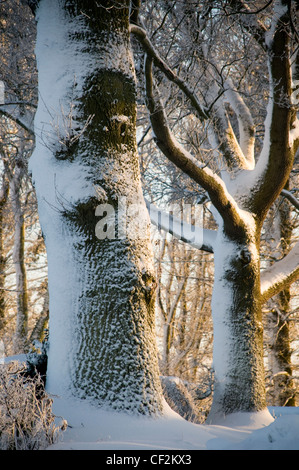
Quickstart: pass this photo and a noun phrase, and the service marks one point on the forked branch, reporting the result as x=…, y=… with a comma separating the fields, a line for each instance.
x=207, y=179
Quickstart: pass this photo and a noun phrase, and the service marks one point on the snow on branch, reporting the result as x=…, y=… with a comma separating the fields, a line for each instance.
x=280, y=275
x=277, y=154
x=237, y=154
x=184, y=160
x=167, y=143
x=198, y=237
x=245, y=123
x=241, y=156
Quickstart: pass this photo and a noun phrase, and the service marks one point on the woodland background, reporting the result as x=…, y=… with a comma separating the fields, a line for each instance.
x=184, y=274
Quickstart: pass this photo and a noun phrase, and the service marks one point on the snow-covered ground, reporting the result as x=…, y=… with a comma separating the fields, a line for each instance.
x=92, y=429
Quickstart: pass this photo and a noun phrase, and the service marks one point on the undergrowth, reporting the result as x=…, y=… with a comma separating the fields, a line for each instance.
x=26, y=418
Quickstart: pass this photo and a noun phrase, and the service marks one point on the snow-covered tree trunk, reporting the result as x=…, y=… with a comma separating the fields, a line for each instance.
x=101, y=278
x=237, y=320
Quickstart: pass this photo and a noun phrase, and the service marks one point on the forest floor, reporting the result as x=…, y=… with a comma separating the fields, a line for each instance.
x=89, y=429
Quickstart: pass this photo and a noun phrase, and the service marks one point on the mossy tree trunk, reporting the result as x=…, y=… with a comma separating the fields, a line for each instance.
x=101, y=287
x=237, y=321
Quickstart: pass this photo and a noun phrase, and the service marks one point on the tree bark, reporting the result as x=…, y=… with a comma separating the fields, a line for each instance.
x=238, y=329
x=101, y=289
x=280, y=354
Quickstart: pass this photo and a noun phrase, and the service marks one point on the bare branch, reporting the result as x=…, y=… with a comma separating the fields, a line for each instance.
x=290, y=197
x=249, y=20
x=236, y=156
x=246, y=125
x=135, y=7
x=221, y=199
x=142, y=36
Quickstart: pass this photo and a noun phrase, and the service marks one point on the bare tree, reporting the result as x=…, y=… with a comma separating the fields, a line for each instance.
x=249, y=176
x=17, y=107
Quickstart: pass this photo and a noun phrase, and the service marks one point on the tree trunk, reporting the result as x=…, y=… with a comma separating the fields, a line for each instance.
x=280, y=353
x=238, y=330
x=3, y=260
x=39, y=331
x=101, y=286
x=21, y=331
